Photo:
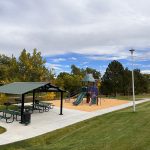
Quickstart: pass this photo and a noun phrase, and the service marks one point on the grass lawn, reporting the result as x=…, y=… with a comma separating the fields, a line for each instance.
x=2, y=130
x=120, y=130
x=137, y=97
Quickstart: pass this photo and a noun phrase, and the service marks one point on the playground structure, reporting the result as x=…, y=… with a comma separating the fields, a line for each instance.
x=88, y=95
x=89, y=90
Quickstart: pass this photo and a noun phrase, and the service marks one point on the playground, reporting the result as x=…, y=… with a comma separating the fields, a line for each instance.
x=77, y=108
x=87, y=98
x=83, y=106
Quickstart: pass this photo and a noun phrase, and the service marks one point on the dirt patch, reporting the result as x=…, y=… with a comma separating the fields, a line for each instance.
x=103, y=103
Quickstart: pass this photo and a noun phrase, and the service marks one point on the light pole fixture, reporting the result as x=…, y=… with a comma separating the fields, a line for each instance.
x=133, y=91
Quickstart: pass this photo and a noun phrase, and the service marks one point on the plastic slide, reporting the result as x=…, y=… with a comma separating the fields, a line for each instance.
x=79, y=98
x=73, y=94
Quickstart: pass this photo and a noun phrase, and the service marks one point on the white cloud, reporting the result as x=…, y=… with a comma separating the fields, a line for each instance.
x=145, y=71
x=107, y=57
x=138, y=65
x=58, y=68
x=86, y=66
x=84, y=63
x=53, y=66
x=96, y=27
x=58, y=60
x=67, y=66
x=73, y=58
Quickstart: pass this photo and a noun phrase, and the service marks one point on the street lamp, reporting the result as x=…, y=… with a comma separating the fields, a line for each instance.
x=132, y=50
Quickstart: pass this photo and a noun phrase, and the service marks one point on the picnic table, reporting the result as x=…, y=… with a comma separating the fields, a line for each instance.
x=43, y=106
x=7, y=104
x=9, y=115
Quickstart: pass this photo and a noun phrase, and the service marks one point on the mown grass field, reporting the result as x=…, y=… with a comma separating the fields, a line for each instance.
x=129, y=98
x=120, y=130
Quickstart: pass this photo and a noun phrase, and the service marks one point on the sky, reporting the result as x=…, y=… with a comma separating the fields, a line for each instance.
x=87, y=33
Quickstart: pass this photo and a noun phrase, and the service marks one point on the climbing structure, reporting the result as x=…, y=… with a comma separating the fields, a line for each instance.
x=89, y=90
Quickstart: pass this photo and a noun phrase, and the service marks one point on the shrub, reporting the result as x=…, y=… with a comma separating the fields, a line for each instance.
x=3, y=99
x=49, y=96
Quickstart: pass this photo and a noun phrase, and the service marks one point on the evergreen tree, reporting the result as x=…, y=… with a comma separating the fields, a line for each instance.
x=112, y=81
x=141, y=82
x=127, y=82
x=119, y=80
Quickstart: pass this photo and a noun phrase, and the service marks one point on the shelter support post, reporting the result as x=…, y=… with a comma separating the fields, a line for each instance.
x=61, y=104
x=97, y=100
x=33, y=99
x=22, y=107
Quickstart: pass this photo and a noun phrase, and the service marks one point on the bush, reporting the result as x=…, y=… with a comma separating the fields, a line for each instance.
x=49, y=96
x=3, y=99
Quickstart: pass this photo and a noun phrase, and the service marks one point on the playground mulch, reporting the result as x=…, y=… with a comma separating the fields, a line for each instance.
x=103, y=103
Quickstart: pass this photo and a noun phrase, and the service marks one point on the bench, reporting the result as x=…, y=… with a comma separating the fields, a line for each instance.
x=7, y=118
x=38, y=107
x=42, y=106
x=13, y=114
x=47, y=106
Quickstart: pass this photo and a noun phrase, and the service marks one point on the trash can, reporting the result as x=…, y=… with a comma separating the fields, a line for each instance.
x=26, y=117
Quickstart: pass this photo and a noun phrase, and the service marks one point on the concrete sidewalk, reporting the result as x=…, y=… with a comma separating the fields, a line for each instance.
x=49, y=121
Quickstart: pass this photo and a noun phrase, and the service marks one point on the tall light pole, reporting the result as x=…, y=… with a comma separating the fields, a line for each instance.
x=133, y=91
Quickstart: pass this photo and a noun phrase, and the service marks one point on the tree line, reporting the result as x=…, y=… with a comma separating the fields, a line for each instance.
x=118, y=80
x=28, y=67
x=31, y=67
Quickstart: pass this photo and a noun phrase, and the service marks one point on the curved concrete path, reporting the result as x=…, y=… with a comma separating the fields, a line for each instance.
x=49, y=121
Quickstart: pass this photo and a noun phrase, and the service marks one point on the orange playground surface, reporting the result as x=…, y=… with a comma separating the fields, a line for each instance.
x=103, y=103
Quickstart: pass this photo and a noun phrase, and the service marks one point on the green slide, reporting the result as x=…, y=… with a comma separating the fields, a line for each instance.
x=79, y=98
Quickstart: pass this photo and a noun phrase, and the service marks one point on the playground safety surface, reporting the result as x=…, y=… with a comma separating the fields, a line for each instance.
x=103, y=103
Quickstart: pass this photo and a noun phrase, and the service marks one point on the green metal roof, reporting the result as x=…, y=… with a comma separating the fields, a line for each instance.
x=88, y=78
x=21, y=87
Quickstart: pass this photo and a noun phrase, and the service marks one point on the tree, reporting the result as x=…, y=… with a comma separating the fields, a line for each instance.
x=76, y=71
x=14, y=69
x=147, y=77
x=127, y=82
x=69, y=82
x=38, y=70
x=32, y=67
x=5, y=65
x=141, y=82
x=112, y=81
x=119, y=80
x=96, y=74
x=82, y=72
x=24, y=65
x=29, y=67
x=51, y=76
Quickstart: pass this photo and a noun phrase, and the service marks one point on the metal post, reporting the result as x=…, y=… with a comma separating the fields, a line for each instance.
x=22, y=107
x=133, y=91
x=33, y=99
x=61, y=104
